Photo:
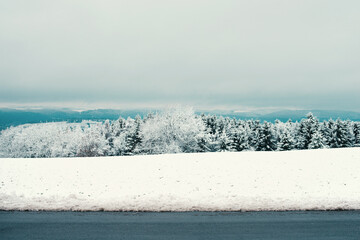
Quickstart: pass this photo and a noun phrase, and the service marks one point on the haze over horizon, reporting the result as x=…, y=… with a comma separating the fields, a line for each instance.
x=236, y=54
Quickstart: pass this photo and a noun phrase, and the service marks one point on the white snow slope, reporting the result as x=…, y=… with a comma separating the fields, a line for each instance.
x=247, y=181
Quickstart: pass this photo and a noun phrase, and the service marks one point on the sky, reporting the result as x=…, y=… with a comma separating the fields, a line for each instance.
x=240, y=54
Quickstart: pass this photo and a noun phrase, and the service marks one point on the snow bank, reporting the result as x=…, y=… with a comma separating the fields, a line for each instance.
x=248, y=181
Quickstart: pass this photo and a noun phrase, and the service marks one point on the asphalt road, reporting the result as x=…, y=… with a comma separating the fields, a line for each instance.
x=191, y=225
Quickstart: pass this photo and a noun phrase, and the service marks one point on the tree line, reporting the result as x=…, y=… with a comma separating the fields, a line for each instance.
x=177, y=130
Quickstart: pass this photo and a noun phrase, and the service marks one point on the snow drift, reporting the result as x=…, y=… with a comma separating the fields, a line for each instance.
x=325, y=179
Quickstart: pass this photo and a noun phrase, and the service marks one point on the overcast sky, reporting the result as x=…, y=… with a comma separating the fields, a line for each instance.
x=253, y=53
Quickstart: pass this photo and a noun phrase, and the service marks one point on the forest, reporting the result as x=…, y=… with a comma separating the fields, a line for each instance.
x=175, y=130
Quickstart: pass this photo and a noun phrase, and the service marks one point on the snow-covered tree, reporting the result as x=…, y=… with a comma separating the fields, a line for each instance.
x=239, y=139
x=224, y=142
x=325, y=130
x=133, y=139
x=93, y=142
x=341, y=135
x=356, y=131
x=172, y=131
x=42, y=140
x=254, y=128
x=266, y=138
x=307, y=128
x=317, y=141
x=286, y=141
x=175, y=130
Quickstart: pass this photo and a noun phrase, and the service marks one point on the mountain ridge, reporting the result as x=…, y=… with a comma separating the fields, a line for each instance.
x=13, y=117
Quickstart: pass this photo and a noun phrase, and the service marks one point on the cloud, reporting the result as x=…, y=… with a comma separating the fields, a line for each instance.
x=264, y=53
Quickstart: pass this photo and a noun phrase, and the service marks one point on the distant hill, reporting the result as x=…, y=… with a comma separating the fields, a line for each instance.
x=297, y=115
x=285, y=115
x=14, y=117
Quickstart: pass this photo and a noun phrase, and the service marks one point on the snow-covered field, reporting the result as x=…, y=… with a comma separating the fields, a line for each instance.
x=294, y=180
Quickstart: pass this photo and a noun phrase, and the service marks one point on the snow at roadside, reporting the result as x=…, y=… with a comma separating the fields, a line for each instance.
x=293, y=180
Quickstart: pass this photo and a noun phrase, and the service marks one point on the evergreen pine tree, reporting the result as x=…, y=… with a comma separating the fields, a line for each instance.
x=307, y=128
x=254, y=128
x=356, y=131
x=341, y=135
x=286, y=142
x=224, y=142
x=133, y=137
x=239, y=139
x=317, y=141
x=266, y=138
